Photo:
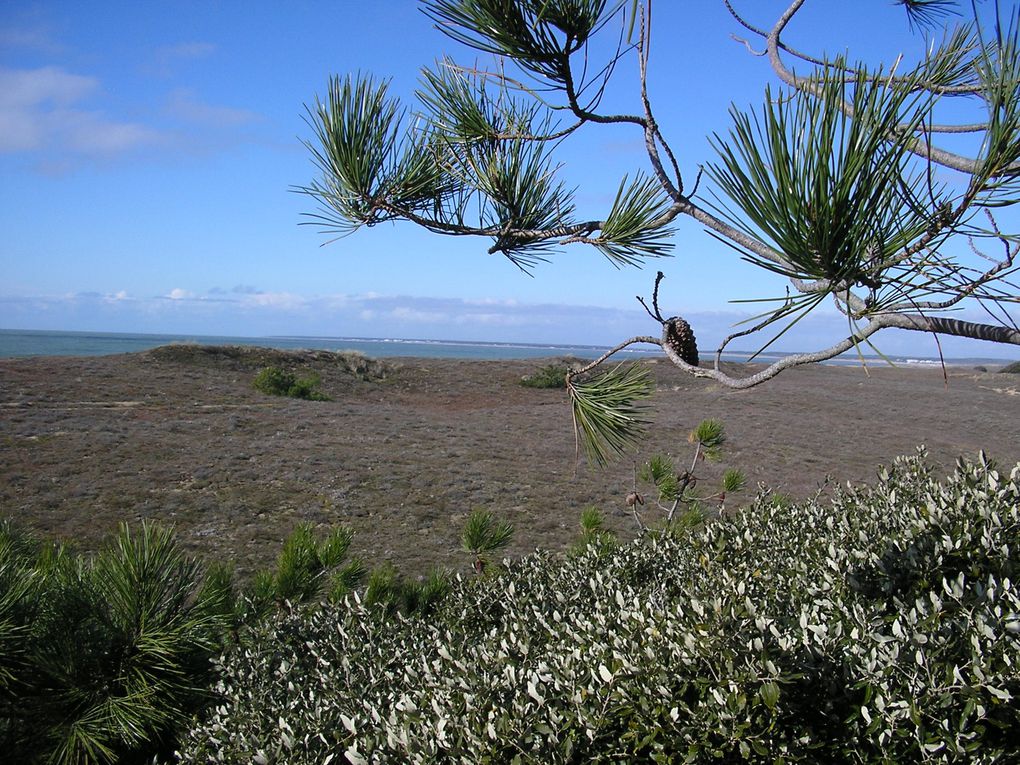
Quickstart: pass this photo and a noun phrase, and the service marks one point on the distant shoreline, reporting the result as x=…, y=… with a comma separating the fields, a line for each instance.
x=26, y=343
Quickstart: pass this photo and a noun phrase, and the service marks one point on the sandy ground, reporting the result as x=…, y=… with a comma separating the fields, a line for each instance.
x=182, y=437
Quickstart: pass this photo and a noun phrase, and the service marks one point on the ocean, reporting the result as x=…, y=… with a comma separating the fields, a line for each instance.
x=47, y=343
x=21, y=342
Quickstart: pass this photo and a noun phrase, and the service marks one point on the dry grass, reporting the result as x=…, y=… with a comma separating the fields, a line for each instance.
x=408, y=448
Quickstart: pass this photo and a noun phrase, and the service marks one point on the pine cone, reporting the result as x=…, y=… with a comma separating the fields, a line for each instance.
x=678, y=334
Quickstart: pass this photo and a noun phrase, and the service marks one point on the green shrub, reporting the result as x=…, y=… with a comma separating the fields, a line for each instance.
x=279, y=382
x=305, y=388
x=594, y=534
x=306, y=570
x=110, y=655
x=18, y=602
x=483, y=535
x=395, y=593
x=675, y=487
x=879, y=627
x=549, y=376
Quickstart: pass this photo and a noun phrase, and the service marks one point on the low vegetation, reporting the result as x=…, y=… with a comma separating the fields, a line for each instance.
x=883, y=626
x=104, y=659
x=252, y=357
x=394, y=593
x=279, y=382
x=108, y=658
x=549, y=376
x=307, y=570
x=675, y=489
x=483, y=536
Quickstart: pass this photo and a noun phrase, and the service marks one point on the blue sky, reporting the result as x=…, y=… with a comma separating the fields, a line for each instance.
x=147, y=152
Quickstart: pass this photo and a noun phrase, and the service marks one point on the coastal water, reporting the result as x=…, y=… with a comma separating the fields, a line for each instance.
x=46, y=343
x=50, y=343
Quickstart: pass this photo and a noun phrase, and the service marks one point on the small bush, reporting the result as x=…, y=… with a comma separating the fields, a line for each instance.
x=483, y=535
x=274, y=381
x=105, y=658
x=394, y=593
x=1012, y=369
x=550, y=376
x=594, y=534
x=683, y=506
x=361, y=366
x=305, y=571
x=279, y=382
x=881, y=627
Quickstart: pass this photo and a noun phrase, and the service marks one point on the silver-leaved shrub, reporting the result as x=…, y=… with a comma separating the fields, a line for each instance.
x=882, y=625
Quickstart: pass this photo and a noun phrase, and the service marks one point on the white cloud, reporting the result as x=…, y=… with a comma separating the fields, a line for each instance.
x=408, y=314
x=276, y=300
x=339, y=302
x=490, y=301
x=500, y=319
x=283, y=313
x=92, y=133
x=39, y=112
x=183, y=104
x=19, y=130
x=32, y=87
x=33, y=38
x=47, y=111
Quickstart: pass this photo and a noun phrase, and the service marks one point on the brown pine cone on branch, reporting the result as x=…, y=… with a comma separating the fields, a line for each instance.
x=678, y=334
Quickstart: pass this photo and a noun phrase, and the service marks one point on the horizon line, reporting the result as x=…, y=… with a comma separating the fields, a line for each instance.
x=184, y=336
